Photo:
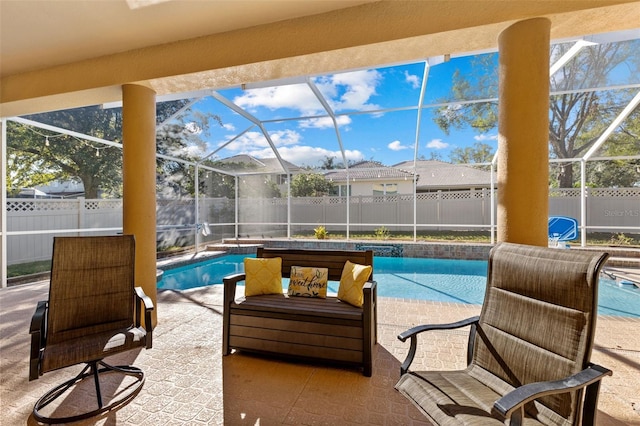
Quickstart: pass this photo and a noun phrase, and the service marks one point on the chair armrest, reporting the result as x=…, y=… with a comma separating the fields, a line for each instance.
x=413, y=334
x=517, y=398
x=148, y=307
x=427, y=327
x=38, y=332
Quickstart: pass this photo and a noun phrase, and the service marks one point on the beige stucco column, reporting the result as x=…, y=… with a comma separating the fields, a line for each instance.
x=139, y=181
x=523, y=153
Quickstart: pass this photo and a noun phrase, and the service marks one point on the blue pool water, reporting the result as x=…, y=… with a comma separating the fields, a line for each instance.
x=443, y=280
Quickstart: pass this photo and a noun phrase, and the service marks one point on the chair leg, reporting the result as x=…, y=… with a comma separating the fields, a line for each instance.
x=91, y=369
x=94, y=368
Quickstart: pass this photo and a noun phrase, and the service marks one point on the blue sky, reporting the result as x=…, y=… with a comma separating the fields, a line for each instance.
x=375, y=112
x=387, y=137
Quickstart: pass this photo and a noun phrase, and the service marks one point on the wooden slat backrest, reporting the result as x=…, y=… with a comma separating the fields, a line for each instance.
x=92, y=286
x=333, y=260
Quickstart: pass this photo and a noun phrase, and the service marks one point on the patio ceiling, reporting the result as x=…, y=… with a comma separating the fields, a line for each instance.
x=64, y=54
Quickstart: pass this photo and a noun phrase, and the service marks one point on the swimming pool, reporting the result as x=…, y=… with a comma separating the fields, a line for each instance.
x=444, y=280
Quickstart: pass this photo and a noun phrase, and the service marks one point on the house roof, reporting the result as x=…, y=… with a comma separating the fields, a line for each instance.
x=433, y=174
x=368, y=170
x=256, y=165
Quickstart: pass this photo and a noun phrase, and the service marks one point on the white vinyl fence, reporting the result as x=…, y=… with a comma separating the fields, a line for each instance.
x=33, y=222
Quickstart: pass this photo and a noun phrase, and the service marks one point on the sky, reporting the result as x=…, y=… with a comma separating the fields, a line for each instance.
x=361, y=101
x=376, y=114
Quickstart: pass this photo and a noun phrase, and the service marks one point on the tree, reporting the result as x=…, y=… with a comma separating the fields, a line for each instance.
x=623, y=172
x=310, y=185
x=577, y=118
x=258, y=187
x=251, y=185
x=37, y=156
x=328, y=163
x=478, y=153
x=45, y=156
x=180, y=137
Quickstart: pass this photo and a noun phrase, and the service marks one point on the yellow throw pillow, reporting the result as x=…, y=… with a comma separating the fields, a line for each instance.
x=308, y=282
x=351, y=282
x=262, y=276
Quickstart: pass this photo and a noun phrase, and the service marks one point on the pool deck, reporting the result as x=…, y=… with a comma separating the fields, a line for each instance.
x=188, y=381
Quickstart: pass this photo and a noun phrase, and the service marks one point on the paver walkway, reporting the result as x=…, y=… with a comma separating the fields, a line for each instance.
x=188, y=382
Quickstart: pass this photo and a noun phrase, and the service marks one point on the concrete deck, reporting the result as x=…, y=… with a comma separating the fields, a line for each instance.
x=188, y=382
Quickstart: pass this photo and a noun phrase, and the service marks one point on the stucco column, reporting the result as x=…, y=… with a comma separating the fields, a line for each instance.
x=523, y=153
x=139, y=181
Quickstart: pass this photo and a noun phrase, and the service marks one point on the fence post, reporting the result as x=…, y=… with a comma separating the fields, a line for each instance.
x=81, y=213
x=439, y=208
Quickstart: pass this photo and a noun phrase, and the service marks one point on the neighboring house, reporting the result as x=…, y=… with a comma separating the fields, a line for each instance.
x=271, y=167
x=440, y=176
x=371, y=178
x=63, y=189
x=31, y=193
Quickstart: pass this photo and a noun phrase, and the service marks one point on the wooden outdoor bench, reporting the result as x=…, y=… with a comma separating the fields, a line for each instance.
x=304, y=327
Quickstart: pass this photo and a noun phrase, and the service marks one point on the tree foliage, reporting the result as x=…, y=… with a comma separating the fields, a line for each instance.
x=310, y=185
x=250, y=185
x=620, y=172
x=181, y=137
x=478, y=153
x=37, y=156
x=576, y=118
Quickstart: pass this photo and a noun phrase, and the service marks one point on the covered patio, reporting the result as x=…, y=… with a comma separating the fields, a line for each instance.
x=189, y=382
x=190, y=47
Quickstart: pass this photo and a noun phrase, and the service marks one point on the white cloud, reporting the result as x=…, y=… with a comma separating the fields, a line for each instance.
x=306, y=155
x=397, y=146
x=189, y=150
x=229, y=127
x=412, y=79
x=351, y=90
x=325, y=122
x=294, y=96
x=437, y=144
x=252, y=141
x=485, y=137
x=285, y=137
x=192, y=127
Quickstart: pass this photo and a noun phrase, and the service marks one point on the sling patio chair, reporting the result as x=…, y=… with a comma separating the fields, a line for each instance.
x=93, y=311
x=529, y=350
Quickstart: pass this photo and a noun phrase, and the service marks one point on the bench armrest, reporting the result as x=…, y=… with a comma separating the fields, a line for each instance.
x=38, y=332
x=512, y=404
x=413, y=334
x=370, y=324
x=229, y=283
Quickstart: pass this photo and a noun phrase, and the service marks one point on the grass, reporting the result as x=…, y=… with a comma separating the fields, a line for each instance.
x=593, y=239
x=29, y=268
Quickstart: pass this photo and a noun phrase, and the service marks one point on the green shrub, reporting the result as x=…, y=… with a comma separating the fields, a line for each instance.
x=621, y=240
x=382, y=233
x=321, y=233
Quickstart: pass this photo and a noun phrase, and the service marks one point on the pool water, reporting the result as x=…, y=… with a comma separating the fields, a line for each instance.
x=443, y=280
